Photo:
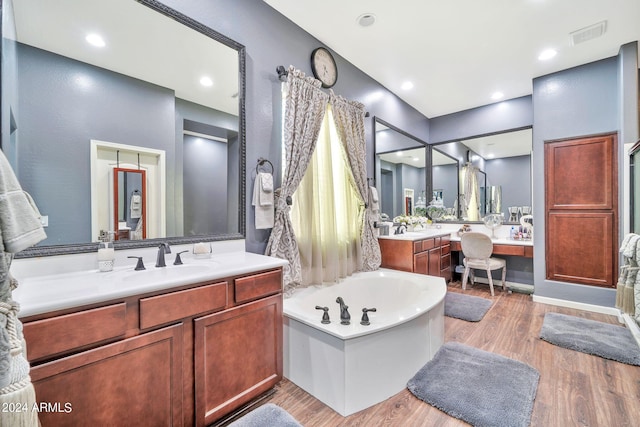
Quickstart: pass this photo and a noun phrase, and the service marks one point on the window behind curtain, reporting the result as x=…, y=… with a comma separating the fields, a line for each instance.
x=326, y=212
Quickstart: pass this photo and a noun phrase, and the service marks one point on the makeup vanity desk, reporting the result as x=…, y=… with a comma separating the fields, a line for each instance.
x=501, y=246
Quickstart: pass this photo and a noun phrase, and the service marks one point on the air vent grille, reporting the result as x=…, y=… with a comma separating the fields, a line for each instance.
x=588, y=33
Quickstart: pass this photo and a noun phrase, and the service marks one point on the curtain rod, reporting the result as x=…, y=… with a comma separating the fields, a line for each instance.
x=282, y=76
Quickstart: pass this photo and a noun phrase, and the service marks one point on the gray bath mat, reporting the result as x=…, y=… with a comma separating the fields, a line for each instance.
x=466, y=307
x=592, y=337
x=478, y=387
x=268, y=415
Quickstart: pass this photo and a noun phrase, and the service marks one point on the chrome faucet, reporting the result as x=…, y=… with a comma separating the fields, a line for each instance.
x=163, y=249
x=345, y=317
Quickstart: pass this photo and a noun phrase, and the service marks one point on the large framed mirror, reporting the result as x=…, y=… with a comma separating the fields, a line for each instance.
x=501, y=167
x=400, y=170
x=136, y=89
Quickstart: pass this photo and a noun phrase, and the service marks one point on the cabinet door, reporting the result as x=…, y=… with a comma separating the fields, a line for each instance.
x=434, y=262
x=421, y=263
x=238, y=356
x=114, y=385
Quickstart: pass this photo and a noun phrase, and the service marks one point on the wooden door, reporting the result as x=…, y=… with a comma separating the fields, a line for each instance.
x=581, y=190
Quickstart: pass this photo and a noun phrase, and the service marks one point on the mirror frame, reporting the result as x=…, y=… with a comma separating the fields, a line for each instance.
x=38, y=251
x=425, y=144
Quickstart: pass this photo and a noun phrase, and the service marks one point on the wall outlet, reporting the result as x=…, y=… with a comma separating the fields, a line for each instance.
x=44, y=220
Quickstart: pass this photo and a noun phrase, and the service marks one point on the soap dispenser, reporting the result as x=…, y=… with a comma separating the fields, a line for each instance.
x=106, y=256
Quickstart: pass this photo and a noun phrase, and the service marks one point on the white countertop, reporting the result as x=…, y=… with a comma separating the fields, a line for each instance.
x=45, y=293
x=417, y=235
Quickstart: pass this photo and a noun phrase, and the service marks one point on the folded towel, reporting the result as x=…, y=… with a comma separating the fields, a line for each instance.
x=136, y=205
x=20, y=225
x=263, y=201
x=266, y=180
x=374, y=203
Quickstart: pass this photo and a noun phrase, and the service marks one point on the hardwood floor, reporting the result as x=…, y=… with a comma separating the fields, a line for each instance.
x=575, y=389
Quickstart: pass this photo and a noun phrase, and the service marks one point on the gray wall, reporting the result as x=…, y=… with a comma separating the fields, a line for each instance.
x=571, y=103
x=54, y=133
x=271, y=40
x=499, y=117
x=204, y=210
x=513, y=175
x=445, y=178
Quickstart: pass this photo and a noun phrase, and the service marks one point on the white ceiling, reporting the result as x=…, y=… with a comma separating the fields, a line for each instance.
x=140, y=42
x=458, y=53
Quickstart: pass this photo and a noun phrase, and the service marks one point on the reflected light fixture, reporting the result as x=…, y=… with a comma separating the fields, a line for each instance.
x=407, y=85
x=206, y=81
x=95, y=40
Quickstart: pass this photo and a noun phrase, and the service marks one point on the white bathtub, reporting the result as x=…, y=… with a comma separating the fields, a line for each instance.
x=351, y=367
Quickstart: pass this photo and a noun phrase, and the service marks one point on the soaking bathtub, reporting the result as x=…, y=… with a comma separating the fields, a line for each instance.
x=352, y=367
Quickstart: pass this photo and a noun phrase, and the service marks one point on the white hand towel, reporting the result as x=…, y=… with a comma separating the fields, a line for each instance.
x=374, y=203
x=136, y=206
x=263, y=202
x=266, y=189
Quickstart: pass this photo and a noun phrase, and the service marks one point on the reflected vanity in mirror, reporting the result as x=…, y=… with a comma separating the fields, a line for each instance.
x=501, y=177
x=137, y=88
x=445, y=172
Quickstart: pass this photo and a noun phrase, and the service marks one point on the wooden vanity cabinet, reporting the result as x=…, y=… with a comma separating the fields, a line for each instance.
x=183, y=356
x=430, y=256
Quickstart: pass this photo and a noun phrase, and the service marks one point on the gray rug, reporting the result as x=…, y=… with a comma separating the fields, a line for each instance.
x=268, y=415
x=592, y=337
x=478, y=387
x=466, y=307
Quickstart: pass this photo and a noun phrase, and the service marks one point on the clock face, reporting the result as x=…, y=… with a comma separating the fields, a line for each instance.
x=324, y=67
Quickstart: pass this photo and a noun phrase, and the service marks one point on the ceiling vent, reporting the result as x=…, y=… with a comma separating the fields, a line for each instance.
x=588, y=33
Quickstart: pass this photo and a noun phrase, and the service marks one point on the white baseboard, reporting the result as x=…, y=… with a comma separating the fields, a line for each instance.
x=578, y=305
x=497, y=284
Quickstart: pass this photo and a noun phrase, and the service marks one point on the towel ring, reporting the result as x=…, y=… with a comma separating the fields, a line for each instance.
x=261, y=162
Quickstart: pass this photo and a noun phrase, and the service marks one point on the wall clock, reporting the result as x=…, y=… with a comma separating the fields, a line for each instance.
x=324, y=67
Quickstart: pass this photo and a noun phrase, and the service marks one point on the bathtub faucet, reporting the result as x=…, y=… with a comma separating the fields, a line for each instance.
x=345, y=317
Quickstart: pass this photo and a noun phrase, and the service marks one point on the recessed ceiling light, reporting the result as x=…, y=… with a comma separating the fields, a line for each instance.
x=206, y=81
x=415, y=159
x=497, y=95
x=547, y=54
x=407, y=85
x=490, y=156
x=399, y=153
x=366, y=19
x=95, y=40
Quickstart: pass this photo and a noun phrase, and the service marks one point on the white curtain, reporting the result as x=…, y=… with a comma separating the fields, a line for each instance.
x=471, y=193
x=325, y=212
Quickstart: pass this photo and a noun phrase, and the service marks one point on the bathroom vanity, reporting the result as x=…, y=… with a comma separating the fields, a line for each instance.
x=425, y=252
x=181, y=345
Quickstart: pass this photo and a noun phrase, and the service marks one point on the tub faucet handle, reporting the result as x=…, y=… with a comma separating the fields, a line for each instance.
x=365, y=316
x=325, y=315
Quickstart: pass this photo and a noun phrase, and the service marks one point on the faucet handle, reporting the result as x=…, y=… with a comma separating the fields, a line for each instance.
x=365, y=317
x=178, y=260
x=140, y=264
x=325, y=316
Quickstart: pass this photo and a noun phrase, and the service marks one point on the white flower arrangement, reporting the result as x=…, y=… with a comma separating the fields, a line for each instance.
x=410, y=220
